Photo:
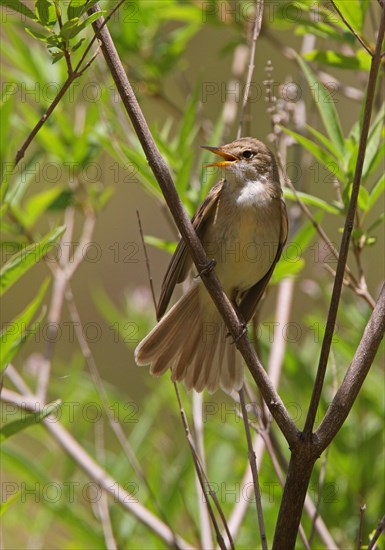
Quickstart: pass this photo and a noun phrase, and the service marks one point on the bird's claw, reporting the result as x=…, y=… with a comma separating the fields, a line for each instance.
x=240, y=335
x=207, y=268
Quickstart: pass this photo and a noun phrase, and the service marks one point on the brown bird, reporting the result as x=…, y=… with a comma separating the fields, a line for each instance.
x=242, y=224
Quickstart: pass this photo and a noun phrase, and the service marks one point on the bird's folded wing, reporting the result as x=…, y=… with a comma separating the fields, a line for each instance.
x=181, y=261
x=252, y=296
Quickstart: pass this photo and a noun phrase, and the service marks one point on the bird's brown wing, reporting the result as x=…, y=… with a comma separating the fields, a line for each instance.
x=252, y=296
x=181, y=260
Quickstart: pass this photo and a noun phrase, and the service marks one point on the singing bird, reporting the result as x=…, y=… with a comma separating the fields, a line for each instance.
x=242, y=224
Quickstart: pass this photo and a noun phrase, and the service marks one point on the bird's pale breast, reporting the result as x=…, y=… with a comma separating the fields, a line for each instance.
x=244, y=236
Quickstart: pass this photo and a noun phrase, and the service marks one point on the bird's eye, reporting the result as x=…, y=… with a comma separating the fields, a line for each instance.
x=247, y=154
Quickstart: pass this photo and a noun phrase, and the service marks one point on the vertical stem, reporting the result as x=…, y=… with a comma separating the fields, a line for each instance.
x=293, y=498
x=254, y=471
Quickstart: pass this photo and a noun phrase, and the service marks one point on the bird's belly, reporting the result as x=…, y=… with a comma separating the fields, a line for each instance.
x=244, y=248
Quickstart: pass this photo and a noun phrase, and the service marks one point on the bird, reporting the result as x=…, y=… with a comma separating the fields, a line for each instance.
x=243, y=226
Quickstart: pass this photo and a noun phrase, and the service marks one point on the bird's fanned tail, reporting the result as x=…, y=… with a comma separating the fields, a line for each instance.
x=192, y=340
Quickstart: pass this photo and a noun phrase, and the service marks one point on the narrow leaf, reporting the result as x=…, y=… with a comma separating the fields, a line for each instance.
x=21, y=262
x=18, y=330
x=325, y=105
x=376, y=191
x=325, y=158
x=361, y=61
x=17, y=426
x=310, y=199
x=19, y=7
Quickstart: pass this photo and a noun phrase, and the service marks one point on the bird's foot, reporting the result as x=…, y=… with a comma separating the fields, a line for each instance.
x=205, y=269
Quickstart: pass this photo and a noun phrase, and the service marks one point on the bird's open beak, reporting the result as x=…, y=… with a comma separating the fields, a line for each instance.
x=228, y=157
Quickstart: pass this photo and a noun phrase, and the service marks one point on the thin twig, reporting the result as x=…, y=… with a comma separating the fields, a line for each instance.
x=256, y=30
x=204, y=482
x=380, y=528
x=254, y=471
x=348, y=227
x=360, y=526
x=146, y=260
x=359, y=38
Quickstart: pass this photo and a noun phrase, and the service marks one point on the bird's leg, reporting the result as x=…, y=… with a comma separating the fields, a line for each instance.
x=241, y=320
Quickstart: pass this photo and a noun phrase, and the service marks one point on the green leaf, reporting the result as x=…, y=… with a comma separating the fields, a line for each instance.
x=310, y=199
x=21, y=262
x=379, y=220
x=374, y=139
x=354, y=12
x=291, y=261
x=376, y=192
x=38, y=204
x=325, y=106
x=37, y=35
x=76, y=8
x=377, y=160
x=363, y=199
x=6, y=112
x=15, y=333
x=19, y=7
x=325, y=158
x=286, y=268
x=162, y=244
x=12, y=428
x=9, y=502
x=46, y=12
x=70, y=28
x=324, y=140
x=361, y=61
x=73, y=27
x=325, y=31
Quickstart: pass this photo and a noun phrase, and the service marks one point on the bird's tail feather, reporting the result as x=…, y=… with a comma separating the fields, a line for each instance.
x=192, y=340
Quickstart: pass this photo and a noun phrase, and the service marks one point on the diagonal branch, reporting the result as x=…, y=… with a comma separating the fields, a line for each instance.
x=185, y=227
x=349, y=224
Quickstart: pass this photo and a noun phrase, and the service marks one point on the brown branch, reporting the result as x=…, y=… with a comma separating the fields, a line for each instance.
x=185, y=227
x=21, y=152
x=380, y=529
x=254, y=470
x=360, y=526
x=349, y=224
